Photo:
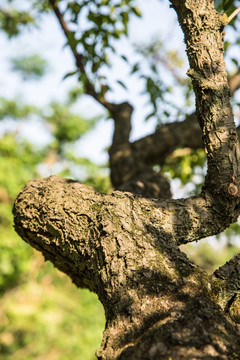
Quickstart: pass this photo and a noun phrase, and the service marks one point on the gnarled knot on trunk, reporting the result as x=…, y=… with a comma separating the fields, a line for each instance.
x=233, y=189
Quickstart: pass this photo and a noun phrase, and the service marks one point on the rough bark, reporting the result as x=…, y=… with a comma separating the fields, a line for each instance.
x=124, y=247
x=132, y=163
x=157, y=303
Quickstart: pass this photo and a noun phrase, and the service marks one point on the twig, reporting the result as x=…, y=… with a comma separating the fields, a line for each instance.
x=79, y=59
x=234, y=82
x=233, y=14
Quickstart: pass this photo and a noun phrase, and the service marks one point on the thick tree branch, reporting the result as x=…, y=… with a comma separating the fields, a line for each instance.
x=182, y=220
x=154, y=148
x=121, y=114
x=149, y=184
x=136, y=158
x=214, y=113
x=202, y=27
x=130, y=162
x=124, y=248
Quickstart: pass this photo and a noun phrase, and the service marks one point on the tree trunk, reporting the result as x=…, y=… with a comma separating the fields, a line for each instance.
x=158, y=304
x=125, y=247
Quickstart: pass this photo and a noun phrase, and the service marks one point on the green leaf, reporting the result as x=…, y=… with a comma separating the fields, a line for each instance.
x=135, y=68
x=150, y=115
x=125, y=18
x=235, y=61
x=71, y=73
x=122, y=84
x=226, y=45
x=124, y=58
x=136, y=11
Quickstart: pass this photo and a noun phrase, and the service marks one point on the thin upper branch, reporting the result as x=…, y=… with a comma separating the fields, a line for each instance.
x=235, y=12
x=90, y=90
x=121, y=113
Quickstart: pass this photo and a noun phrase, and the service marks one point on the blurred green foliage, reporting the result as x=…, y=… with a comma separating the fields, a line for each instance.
x=160, y=70
x=41, y=312
x=188, y=165
x=30, y=67
x=46, y=317
x=12, y=20
x=42, y=315
x=210, y=257
x=227, y=6
x=15, y=109
x=18, y=164
x=66, y=125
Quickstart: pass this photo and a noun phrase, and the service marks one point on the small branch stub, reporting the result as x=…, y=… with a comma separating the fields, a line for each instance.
x=233, y=189
x=233, y=15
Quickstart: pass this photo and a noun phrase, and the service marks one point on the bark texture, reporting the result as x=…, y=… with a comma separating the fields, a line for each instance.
x=157, y=303
x=124, y=246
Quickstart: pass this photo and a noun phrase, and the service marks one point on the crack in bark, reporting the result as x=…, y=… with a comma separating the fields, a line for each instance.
x=230, y=302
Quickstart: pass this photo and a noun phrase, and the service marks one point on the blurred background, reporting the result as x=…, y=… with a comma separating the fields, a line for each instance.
x=48, y=126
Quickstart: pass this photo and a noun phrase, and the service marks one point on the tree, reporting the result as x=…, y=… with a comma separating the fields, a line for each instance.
x=124, y=246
